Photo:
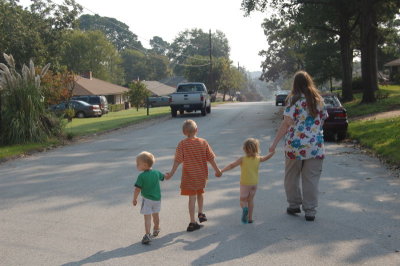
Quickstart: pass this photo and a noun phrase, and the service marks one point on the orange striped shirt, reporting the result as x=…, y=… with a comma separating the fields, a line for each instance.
x=194, y=153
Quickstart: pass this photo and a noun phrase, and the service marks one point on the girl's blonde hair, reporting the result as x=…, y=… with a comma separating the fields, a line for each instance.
x=146, y=157
x=304, y=84
x=251, y=147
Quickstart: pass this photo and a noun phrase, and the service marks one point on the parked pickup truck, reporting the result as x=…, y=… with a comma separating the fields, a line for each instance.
x=190, y=97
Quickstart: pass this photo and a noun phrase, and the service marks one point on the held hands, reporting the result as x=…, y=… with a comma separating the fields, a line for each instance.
x=167, y=176
x=218, y=173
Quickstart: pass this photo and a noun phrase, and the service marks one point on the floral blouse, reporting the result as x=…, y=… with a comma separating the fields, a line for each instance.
x=305, y=139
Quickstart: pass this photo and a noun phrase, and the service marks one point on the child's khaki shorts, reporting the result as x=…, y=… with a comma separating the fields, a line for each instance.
x=150, y=206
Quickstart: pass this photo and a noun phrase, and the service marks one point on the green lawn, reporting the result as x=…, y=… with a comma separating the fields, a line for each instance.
x=86, y=126
x=354, y=108
x=381, y=135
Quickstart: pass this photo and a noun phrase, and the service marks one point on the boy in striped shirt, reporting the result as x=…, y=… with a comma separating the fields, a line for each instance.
x=193, y=153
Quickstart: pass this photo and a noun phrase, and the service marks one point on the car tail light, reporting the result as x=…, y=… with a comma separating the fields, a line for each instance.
x=201, y=98
x=340, y=115
x=91, y=107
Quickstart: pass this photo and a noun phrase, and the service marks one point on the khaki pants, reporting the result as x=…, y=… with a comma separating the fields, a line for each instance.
x=310, y=171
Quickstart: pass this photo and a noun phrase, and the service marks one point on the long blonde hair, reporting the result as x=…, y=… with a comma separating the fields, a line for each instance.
x=251, y=147
x=304, y=84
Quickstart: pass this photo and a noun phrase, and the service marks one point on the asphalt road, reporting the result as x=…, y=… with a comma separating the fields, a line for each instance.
x=72, y=205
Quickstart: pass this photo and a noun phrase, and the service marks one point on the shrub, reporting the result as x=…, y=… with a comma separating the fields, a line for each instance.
x=24, y=118
x=116, y=107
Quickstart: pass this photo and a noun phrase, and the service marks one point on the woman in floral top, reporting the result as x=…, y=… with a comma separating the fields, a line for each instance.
x=304, y=116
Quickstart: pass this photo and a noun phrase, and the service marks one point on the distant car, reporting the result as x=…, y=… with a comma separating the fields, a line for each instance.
x=81, y=108
x=336, y=124
x=94, y=99
x=280, y=97
x=159, y=101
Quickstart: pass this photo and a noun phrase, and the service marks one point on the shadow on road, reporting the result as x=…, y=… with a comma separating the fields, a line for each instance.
x=131, y=250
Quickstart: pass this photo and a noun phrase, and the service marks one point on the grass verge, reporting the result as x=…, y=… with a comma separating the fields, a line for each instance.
x=87, y=126
x=392, y=102
x=380, y=135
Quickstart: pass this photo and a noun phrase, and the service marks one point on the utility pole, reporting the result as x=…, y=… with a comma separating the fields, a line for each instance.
x=210, y=74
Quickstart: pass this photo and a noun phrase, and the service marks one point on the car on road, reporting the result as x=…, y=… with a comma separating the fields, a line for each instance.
x=82, y=109
x=159, y=101
x=94, y=99
x=190, y=97
x=336, y=124
x=280, y=97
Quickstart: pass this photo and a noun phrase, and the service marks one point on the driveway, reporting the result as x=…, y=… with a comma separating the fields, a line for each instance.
x=72, y=205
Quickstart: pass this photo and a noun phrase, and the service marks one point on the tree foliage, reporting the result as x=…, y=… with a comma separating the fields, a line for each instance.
x=91, y=51
x=117, y=32
x=137, y=94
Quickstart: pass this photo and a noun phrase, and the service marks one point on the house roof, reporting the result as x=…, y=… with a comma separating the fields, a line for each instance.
x=158, y=88
x=93, y=86
x=393, y=63
x=173, y=81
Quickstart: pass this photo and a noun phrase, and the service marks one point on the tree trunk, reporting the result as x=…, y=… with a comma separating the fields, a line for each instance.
x=369, y=44
x=346, y=53
x=0, y=120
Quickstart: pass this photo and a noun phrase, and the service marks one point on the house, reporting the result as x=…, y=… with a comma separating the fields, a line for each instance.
x=158, y=89
x=88, y=85
x=394, y=67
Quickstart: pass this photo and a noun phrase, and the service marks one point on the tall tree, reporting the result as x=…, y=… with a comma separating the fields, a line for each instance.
x=159, y=46
x=197, y=42
x=372, y=12
x=339, y=17
x=91, y=51
x=116, y=31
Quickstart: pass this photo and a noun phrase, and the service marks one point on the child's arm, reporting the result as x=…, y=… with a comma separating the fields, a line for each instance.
x=135, y=195
x=267, y=157
x=232, y=165
x=173, y=170
x=214, y=165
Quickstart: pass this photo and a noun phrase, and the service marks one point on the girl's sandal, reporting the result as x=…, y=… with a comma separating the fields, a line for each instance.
x=202, y=217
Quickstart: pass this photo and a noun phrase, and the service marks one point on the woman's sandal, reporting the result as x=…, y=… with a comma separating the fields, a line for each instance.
x=192, y=227
x=202, y=217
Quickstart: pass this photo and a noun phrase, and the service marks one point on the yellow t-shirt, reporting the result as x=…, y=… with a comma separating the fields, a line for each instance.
x=249, y=170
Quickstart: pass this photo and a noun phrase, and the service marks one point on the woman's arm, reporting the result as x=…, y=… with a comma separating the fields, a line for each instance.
x=232, y=165
x=286, y=123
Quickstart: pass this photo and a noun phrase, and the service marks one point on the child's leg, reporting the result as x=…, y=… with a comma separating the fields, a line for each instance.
x=147, y=223
x=156, y=221
x=192, y=206
x=251, y=202
x=244, y=195
x=200, y=202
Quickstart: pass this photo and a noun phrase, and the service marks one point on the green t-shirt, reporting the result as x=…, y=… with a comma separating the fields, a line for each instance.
x=149, y=183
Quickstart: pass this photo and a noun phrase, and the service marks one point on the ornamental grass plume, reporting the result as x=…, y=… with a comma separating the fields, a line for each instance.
x=23, y=115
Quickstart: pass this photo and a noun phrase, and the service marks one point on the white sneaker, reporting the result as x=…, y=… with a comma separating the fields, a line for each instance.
x=146, y=239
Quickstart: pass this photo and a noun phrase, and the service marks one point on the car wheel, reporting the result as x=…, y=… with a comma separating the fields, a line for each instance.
x=204, y=111
x=341, y=135
x=209, y=109
x=181, y=112
x=173, y=112
x=80, y=114
x=276, y=104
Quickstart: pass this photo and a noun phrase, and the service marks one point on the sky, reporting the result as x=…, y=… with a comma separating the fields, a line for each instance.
x=166, y=18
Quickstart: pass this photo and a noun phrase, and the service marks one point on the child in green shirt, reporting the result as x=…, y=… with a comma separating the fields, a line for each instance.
x=148, y=185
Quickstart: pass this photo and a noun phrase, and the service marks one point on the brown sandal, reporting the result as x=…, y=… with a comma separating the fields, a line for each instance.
x=202, y=217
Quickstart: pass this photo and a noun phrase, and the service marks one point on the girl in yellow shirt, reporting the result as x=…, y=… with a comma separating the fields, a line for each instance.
x=249, y=176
